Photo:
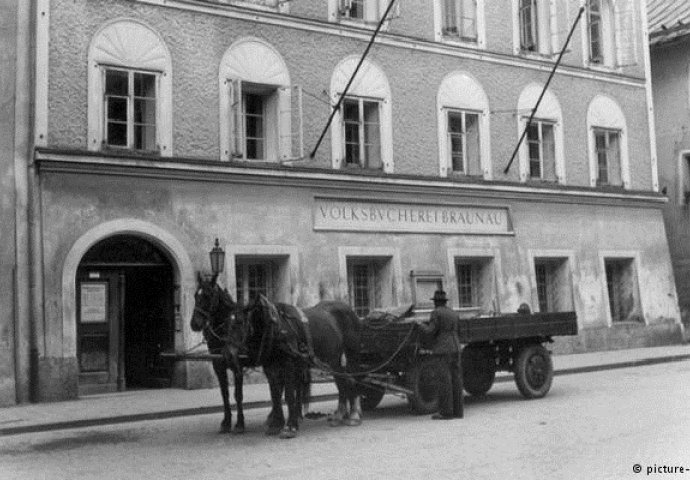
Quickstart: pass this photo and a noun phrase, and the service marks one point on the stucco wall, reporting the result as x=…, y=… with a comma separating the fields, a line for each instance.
x=414, y=78
x=251, y=215
x=671, y=81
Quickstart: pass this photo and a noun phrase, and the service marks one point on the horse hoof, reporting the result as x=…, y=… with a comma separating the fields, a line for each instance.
x=352, y=422
x=334, y=422
x=272, y=431
x=288, y=432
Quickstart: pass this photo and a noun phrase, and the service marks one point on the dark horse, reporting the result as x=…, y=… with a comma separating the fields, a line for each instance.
x=325, y=336
x=214, y=310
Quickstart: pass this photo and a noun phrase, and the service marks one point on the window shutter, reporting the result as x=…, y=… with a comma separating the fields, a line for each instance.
x=559, y=24
x=236, y=119
x=625, y=33
x=284, y=123
x=298, y=122
x=373, y=11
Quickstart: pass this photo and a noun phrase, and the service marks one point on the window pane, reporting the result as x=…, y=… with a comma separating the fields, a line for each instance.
x=450, y=21
x=357, y=9
x=116, y=134
x=145, y=137
x=145, y=111
x=455, y=122
x=255, y=149
x=144, y=85
x=372, y=134
x=466, y=284
x=472, y=147
x=361, y=288
x=456, y=151
x=548, y=151
x=117, y=108
x=533, y=147
x=542, y=285
x=351, y=110
x=254, y=126
x=253, y=104
x=116, y=82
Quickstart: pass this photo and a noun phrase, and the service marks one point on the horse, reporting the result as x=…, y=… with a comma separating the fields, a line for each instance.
x=214, y=310
x=289, y=341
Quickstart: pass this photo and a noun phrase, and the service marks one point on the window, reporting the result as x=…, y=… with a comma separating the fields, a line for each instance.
x=364, y=279
x=260, y=111
x=611, y=33
x=253, y=278
x=541, y=149
x=463, y=126
x=464, y=141
x=554, y=288
x=362, y=133
x=460, y=19
x=528, y=25
x=129, y=89
x=474, y=278
x=621, y=286
x=541, y=153
x=607, y=147
x=130, y=107
x=365, y=11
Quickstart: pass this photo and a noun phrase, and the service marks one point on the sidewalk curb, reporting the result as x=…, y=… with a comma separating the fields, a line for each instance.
x=141, y=417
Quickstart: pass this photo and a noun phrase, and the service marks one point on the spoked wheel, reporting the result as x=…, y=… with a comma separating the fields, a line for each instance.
x=534, y=371
x=423, y=380
x=370, y=397
x=478, y=370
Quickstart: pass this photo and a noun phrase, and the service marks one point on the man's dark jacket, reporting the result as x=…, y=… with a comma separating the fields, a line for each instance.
x=443, y=329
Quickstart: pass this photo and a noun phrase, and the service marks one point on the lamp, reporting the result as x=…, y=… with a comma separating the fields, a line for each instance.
x=217, y=256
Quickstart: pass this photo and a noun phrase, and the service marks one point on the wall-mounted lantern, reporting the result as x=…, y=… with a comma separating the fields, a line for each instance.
x=217, y=256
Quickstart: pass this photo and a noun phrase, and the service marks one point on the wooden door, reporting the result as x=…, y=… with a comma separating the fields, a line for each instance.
x=100, y=305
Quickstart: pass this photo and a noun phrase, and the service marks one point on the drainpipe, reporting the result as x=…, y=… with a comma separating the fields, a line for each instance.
x=23, y=147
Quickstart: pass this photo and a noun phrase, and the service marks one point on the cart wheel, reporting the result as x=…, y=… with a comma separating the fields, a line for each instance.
x=370, y=397
x=534, y=371
x=478, y=370
x=423, y=380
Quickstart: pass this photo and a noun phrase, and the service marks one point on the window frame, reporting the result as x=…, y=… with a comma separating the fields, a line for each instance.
x=364, y=161
x=607, y=132
x=533, y=7
x=242, y=282
x=463, y=135
x=540, y=123
x=457, y=30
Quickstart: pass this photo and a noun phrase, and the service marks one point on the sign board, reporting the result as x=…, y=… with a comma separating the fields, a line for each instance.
x=375, y=216
x=93, y=302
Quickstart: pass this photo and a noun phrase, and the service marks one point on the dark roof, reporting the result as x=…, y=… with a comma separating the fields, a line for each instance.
x=669, y=20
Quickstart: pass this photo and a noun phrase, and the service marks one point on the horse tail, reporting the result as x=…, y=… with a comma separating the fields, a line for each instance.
x=304, y=389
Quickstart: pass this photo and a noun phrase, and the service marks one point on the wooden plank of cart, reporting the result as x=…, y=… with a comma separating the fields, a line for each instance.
x=394, y=355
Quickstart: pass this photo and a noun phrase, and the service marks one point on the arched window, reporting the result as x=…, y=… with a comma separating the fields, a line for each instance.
x=541, y=152
x=256, y=99
x=608, y=143
x=362, y=132
x=463, y=127
x=130, y=89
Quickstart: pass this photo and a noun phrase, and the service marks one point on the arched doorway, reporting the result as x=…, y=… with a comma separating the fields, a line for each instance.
x=125, y=315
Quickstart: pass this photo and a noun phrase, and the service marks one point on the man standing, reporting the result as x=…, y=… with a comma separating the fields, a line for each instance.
x=442, y=327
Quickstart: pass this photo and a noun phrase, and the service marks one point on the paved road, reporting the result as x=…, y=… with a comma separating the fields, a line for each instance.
x=591, y=426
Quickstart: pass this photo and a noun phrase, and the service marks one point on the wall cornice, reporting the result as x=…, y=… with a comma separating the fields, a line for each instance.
x=328, y=180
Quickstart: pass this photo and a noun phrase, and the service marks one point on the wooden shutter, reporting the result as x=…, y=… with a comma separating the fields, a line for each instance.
x=236, y=119
x=297, y=122
x=284, y=123
x=559, y=24
x=626, y=38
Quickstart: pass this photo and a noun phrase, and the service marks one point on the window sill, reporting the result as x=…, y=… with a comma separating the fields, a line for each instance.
x=130, y=151
x=279, y=8
x=459, y=41
x=363, y=24
x=534, y=55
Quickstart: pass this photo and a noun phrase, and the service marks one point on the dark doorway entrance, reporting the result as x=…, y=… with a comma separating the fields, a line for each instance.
x=125, y=290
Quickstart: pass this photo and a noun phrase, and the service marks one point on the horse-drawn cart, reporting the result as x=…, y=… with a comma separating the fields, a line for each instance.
x=394, y=356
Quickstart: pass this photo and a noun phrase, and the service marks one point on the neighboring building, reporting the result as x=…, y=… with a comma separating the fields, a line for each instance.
x=160, y=126
x=669, y=27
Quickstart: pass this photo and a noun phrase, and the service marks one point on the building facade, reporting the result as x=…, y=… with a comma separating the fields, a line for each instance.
x=669, y=23
x=162, y=125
